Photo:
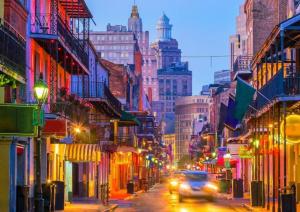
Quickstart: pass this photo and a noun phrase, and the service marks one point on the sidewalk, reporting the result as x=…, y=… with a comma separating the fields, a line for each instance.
x=89, y=206
x=250, y=208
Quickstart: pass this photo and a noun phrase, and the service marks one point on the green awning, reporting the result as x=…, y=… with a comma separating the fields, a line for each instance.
x=128, y=119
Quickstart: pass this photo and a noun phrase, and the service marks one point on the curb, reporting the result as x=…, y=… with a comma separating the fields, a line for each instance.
x=134, y=195
x=111, y=208
x=248, y=207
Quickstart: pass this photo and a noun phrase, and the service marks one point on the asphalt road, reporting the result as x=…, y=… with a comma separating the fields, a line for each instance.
x=159, y=199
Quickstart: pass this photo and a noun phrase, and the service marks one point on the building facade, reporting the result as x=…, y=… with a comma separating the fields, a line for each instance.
x=116, y=44
x=174, y=82
x=149, y=65
x=222, y=77
x=165, y=47
x=191, y=113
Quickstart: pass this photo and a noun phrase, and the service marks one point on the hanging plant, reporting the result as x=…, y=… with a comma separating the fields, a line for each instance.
x=4, y=80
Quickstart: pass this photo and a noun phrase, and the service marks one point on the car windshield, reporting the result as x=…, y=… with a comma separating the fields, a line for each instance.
x=196, y=176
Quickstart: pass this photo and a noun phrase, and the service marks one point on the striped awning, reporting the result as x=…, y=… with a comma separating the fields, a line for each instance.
x=83, y=153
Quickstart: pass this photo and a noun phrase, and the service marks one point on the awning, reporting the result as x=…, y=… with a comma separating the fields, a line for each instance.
x=127, y=119
x=55, y=127
x=83, y=153
x=76, y=8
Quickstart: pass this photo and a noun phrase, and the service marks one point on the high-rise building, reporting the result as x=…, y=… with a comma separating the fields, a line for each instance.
x=222, y=77
x=174, y=81
x=116, y=44
x=149, y=66
x=166, y=48
x=191, y=113
x=173, y=76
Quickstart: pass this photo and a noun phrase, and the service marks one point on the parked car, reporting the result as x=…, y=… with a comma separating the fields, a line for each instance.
x=195, y=184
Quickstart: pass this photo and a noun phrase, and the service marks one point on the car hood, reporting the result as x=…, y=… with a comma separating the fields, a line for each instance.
x=194, y=184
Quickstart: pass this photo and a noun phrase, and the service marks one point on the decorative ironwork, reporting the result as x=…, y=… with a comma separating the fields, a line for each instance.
x=279, y=86
x=70, y=107
x=12, y=50
x=54, y=25
x=95, y=91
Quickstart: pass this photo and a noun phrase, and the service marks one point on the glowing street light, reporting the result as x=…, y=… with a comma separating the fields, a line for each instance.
x=40, y=91
x=41, y=94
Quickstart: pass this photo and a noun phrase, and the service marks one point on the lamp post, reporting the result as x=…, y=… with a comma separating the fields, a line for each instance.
x=41, y=95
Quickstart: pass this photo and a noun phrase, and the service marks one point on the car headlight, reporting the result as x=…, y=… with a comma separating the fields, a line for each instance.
x=174, y=183
x=185, y=186
x=211, y=186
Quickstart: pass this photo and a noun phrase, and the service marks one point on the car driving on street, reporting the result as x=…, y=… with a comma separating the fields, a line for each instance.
x=195, y=184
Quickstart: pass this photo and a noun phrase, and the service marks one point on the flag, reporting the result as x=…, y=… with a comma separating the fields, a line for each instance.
x=222, y=117
x=243, y=98
x=231, y=122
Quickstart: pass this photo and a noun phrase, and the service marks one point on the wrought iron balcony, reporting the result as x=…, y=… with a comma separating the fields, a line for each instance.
x=279, y=86
x=126, y=141
x=72, y=108
x=96, y=92
x=52, y=27
x=12, y=51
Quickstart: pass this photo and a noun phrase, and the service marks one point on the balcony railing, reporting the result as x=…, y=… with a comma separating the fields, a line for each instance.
x=95, y=91
x=12, y=49
x=126, y=141
x=279, y=86
x=71, y=108
x=53, y=25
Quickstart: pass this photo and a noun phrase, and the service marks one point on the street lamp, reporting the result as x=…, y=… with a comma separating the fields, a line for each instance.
x=41, y=94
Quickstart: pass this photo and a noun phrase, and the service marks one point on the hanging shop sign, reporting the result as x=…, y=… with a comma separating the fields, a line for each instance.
x=18, y=120
x=291, y=129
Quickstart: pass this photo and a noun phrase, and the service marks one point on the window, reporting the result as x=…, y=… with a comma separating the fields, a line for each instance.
x=161, y=87
x=184, y=88
x=168, y=87
x=174, y=87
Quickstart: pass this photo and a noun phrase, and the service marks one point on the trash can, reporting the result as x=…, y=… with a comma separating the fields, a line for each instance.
x=237, y=188
x=59, y=196
x=130, y=187
x=288, y=202
x=256, y=193
x=22, y=198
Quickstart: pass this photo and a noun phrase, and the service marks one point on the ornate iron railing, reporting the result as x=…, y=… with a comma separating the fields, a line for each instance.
x=12, y=49
x=279, y=85
x=71, y=108
x=126, y=141
x=53, y=25
x=95, y=91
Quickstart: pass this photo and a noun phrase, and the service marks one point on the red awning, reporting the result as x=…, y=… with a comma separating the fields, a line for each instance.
x=55, y=127
x=76, y=8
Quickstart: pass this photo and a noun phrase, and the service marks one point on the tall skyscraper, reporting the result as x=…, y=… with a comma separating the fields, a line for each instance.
x=174, y=77
x=166, y=48
x=116, y=44
x=149, y=66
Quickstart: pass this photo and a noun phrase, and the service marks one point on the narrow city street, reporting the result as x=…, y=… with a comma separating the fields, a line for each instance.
x=159, y=199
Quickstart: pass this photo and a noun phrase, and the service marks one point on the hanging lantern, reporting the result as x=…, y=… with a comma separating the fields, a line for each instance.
x=292, y=129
